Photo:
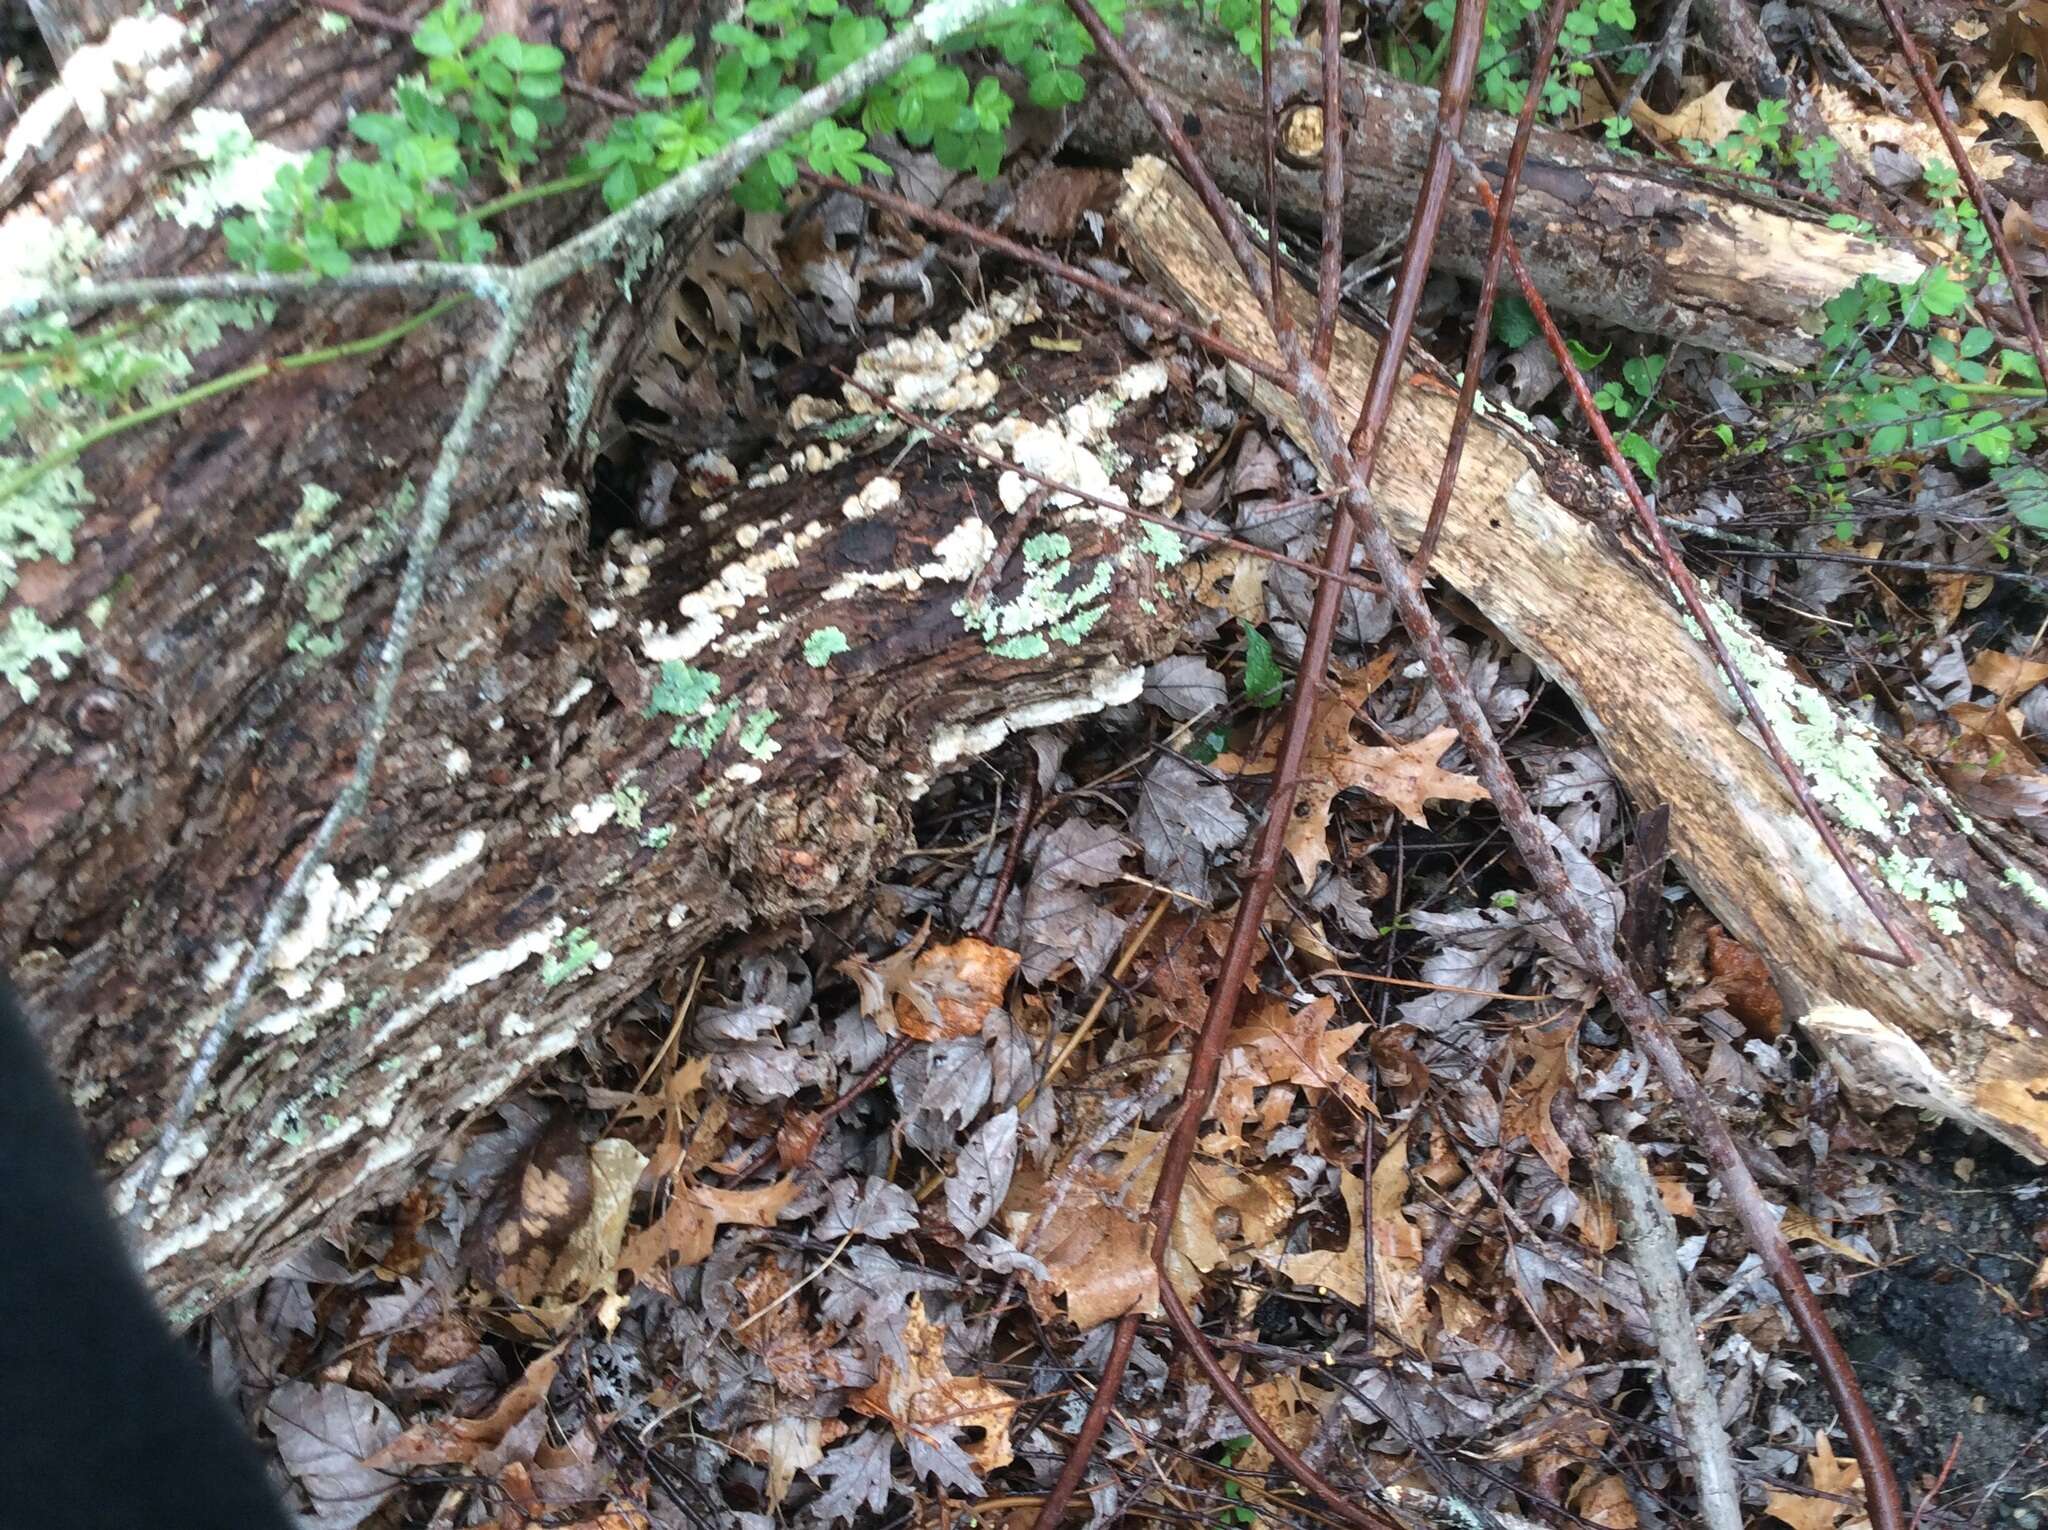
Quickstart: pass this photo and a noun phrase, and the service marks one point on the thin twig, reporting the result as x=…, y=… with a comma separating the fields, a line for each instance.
x=1930, y=97
x=1489, y=285
x=376, y=721
x=1695, y=1407
x=1670, y=48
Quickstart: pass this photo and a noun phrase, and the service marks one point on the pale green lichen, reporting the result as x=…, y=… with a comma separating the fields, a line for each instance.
x=628, y=800
x=2029, y=885
x=657, y=837
x=692, y=694
x=1042, y=608
x=329, y=566
x=582, y=384
x=26, y=641
x=579, y=951
x=1165, y=547
x=240, y=169
x=822, y=646
x=306, y=538
x=1915, y=879
x=754, y=734
x=1838, y=756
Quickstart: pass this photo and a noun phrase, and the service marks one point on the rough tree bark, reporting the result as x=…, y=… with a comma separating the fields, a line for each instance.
x=1538, y=544
x=537, y=845
x=1623, y=241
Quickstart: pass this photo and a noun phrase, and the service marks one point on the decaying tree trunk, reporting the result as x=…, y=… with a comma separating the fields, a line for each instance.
x=560, y=811
x=1537, y=544
x=1619, y=240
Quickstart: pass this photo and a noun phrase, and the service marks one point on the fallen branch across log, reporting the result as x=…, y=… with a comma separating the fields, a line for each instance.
x=1534, y=541
x=1621, y=241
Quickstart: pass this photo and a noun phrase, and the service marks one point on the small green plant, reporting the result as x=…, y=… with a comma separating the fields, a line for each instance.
x=1632, y=397
x=1590, y=27
x=1239, y=1515
x=1265, y=683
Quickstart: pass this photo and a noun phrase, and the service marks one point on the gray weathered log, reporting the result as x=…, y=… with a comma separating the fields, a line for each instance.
x=1614, y=239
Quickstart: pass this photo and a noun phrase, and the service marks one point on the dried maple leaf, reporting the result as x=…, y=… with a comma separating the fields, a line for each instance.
x=1526, y=1110
x=1280, y=1046
x=468, y=1441
x=1404, y=776
x=933, y=995
x=1604, y=1501
x=2007, y=674
x=1097, y=1254
x=1223, y=1212
x=1400, y=1300
x=685, y=1231
x=927, y=1403
x=1831, y=1474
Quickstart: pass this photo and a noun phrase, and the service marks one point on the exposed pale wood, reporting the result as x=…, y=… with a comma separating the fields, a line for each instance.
x=1533, y=542
x=1614, y=239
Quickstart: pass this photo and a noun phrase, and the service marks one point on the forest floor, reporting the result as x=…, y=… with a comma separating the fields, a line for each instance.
x=719, y=1267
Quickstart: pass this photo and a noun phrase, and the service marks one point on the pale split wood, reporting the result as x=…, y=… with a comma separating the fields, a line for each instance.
x=1532, y=542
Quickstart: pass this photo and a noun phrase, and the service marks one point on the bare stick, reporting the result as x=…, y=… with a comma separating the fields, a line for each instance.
x=412, y=591
x=1652, y=1241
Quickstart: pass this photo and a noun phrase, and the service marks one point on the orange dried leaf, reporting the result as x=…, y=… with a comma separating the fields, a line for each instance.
x=921, y=1397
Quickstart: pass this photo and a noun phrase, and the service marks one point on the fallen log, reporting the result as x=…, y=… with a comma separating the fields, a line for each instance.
x=1537, y=544
x=1611, y=238
x=601, y=758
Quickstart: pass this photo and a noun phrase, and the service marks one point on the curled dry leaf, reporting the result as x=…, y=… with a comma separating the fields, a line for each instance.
x=1096, y=1254
x=2007, y=674
x=686, y=1229
x=533, y=1212
x=936, y=994
x=1831, y=1474
x=1224, y=1213
x=1709, y=117
x=925, y=1401
x=1526, y=1110
x=1746, y=985
x=470, y=1441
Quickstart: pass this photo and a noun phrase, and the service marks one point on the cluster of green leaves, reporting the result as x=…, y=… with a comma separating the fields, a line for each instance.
x=1870, y=410
x=1760, y=146
x=487, y=106
x=1628, y=396
x=1969, y=401
x=483, y=100
x=1630, y=399
x=1590, y=27
x=780, y=48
